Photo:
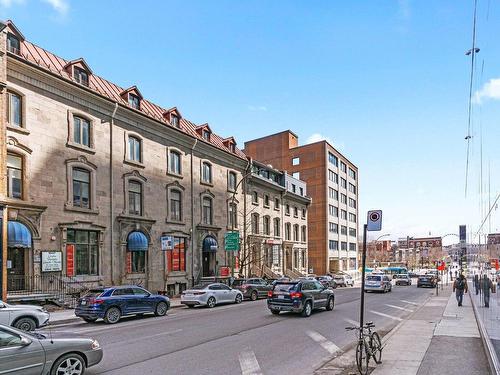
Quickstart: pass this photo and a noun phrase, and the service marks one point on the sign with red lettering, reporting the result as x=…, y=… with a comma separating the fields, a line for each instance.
x=70, y=260
x=224, y=271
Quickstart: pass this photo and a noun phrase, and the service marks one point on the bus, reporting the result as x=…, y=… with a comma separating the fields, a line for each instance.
x=388, y=270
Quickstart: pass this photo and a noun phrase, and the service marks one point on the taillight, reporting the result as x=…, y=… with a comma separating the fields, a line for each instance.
x=95, y=301
x=198, y=293
x=296, y=295
x=270, y=293
x=244, y=286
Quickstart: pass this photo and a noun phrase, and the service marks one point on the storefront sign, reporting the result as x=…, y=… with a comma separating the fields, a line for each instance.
x=167, y=243
x=232, y=241
x=70, y=260
x=51, y=261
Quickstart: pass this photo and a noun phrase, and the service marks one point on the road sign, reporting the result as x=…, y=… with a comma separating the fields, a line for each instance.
x=232, y=241
x=167, y=243
x=462, y=230
x=374, y=223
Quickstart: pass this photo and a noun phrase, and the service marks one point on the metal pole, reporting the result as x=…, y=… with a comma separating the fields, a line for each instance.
x=437, y=281
x=363, y=266
x=3, y=255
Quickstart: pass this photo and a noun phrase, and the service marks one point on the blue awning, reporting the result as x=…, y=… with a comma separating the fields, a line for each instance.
x=18, y=235
x=210, y=245
x=137, y=241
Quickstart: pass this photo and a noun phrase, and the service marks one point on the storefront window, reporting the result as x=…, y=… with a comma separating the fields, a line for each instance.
x=176, y=258
x=137, y=261
x=86, y=251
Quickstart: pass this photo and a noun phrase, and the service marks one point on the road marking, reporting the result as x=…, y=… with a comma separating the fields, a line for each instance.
x=410, y=302
x=146, y=337
x=399, y=308
x=248, y=363
x=329, y=346
x=353, y=322
x=386, y=315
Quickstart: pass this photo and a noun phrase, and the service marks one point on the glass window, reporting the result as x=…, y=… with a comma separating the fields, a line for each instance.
x=296, y=175
x=86, y=248
x=81, y=131
x=276, y=203
x=333, y=177
x=352, y=246
x=13, y=44
x=303, y=213
x=352, y=232
x=135, y=198
x=296, y=161
x=277, y=227
x=287, y=209
x=133, y=101
x=295, y=232
x=81, y=76
x=174, y=120
x=333, y=227
x=266, y=200
x=267, y=225
x=333, y=159
x=294, y=188
x=343, y=214
x=276, y=255
x=134, y=149
x=343, y=230
x=352, y=173
x=301, y=191
x=231, y=181
x=137, y=261
x=343, y=246
x=333, y=245
x=352, y=188
x=352, y=218
x=14, y=109
x=14, y=176
x=343, y=183
x=81, y=188
x=206, y=135
x=303, y=234
x=207, y=211
x=352, y=203
x=233, y=215
x=288, y=229
x=255, y=223
x=175, y=205
x=206, y=172
x=8, y=339
x=255, y=197
x=333, y=211
x=343, y=166
x=295, y=212
x=333, y=194
x=176, y=258
x=174, y=165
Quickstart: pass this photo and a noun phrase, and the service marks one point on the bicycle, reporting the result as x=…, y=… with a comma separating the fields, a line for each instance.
x=369, y=345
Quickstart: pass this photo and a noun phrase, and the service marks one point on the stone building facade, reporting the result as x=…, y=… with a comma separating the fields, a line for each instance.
x=105, y=187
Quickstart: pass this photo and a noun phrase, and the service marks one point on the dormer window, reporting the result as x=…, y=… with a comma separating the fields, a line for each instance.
x=81, y=76
x=133, y=101
x=174, y=120
x=231, y=147
x=13, y=44
x=206, y=135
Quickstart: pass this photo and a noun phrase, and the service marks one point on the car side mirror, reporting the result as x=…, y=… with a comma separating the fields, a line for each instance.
x=25, y=341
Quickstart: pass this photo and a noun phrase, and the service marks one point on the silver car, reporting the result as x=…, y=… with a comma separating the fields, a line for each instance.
x=210, y=294
x=23, y=317
x=30, y=353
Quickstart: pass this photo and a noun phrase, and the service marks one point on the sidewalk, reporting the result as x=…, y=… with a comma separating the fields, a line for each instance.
x=68, y=315
x=439, y=338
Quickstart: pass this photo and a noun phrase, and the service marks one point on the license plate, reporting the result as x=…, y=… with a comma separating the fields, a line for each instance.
x=281, y=297
x=83, y=303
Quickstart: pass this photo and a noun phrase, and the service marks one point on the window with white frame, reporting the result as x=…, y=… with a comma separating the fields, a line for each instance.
x=206, y=172
x=333, y=227
x=343, y=166
x=14, y=109
x=343, y=214
x=231, y=181
x=14, y=176
x=80, y=76
x=296, y=232
x=277, y=228
x=352, y=203
x=134, y=149
x=343, y=230
x=174, y=162
x=343, y=183
x=255, y=197
x=352, y=188
x=352, y=173
x=352, y=217
x=296, y=161
x=81, y=131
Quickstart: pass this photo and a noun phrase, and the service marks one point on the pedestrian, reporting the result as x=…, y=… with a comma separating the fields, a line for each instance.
x=487, y=287
x=476, y=283
x=451, y=275
x=460, y=287
x=456, y=273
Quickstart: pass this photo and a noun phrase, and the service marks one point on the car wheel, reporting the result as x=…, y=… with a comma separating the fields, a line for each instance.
x=238, y=298
x=90, y=320
x=211, y=302
x=72, y=364
x=25, y=324
x=275, y=312
x=113, y=315
x=307, y=310
x=330, y=304
x=254, y=296
x=161, y=309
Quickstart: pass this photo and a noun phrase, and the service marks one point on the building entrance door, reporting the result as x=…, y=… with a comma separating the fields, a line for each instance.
x=15, y=268
x=208, y=264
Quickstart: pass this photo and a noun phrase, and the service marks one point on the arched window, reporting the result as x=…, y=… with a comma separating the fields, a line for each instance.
x=175, y=205
x=207, y=211
x=255, y=223
x=277, y=228
x=296, y=232
x=267, y=225
x=303, y=234
x=288, y=229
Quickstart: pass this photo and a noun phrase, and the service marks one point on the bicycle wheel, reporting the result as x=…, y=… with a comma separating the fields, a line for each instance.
x=362, y=357
x=376, y=347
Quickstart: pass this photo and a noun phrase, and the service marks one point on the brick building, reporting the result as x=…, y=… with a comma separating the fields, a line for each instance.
x=332, y=183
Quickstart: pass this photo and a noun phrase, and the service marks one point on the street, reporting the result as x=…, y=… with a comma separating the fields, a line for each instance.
x=242, y=339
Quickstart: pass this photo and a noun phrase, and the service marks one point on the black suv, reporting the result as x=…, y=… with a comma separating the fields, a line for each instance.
x=426, y=280
x=302, y=296
x=252, y=288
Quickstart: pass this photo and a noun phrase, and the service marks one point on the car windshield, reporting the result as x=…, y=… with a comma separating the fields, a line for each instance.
x=285, y=287
x=94, y=292
x=373, y=278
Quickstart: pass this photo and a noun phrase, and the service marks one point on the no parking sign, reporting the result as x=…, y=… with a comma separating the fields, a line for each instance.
x=374, y=223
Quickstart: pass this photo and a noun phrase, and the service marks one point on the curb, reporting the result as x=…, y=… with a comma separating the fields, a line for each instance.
x=76, y=319
x=489, y=349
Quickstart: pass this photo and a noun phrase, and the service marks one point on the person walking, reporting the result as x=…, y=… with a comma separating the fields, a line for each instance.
x=451, y=275
x=460, y=287
x=476, y=283
x=486, y=288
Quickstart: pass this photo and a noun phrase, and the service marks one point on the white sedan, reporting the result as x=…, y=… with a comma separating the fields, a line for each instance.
x=23, y=317
x=210, y=294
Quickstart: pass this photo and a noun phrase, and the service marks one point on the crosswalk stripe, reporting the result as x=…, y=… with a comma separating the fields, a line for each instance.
x=329, y=346
x=386, y=315
x=353, y=322
x=248, y=363
x=410, y=302
x=399, y=308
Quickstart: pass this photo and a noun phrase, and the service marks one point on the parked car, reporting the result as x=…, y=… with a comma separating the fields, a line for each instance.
x=300, y=296
x=210, y=294
x=343, y=279
x=327, y=281
x=55, y=353
x=426, y=280
x=434, y=273
x=378, y=283
x=23, y=317
x=402, y=279
x=252, y=288
x=112, y=303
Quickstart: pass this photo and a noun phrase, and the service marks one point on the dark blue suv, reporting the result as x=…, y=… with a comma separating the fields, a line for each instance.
x=111, y=303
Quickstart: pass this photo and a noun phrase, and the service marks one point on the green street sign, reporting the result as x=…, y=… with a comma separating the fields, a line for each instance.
x=232, y=241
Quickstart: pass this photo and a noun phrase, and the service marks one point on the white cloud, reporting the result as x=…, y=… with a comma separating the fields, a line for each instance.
x=490, y=90
x=257, y=108
x=60, y=6
x=316, y=137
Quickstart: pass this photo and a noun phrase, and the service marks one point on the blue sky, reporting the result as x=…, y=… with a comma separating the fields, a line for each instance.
x=385, y=81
